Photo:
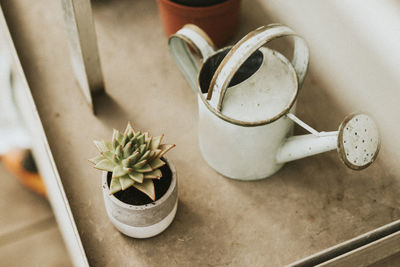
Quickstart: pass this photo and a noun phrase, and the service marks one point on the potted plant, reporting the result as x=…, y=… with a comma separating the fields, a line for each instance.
x=139, y=182
x=218, y=18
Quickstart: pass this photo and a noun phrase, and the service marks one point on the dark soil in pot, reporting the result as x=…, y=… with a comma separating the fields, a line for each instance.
x=198, y=2
x=135, y=197
x=219, y=19
x=28, y=163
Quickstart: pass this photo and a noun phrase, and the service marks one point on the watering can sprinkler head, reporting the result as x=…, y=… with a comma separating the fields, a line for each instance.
x=357, y=142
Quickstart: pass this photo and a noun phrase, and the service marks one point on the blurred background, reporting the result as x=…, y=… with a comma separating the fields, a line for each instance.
x=29, y=234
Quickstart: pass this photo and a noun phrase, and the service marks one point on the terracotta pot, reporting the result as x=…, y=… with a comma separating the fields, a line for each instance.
x=218, y=21
x=13, y=161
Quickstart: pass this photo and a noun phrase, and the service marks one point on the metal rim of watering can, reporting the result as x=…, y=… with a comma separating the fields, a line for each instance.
x=243, y=49
x=340, y=147
x=282, y=31
x=186, y=40
x=219, y=114
x=228, y=56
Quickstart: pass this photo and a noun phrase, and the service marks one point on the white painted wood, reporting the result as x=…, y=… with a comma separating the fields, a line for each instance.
x=44, y=157
x=83, y=47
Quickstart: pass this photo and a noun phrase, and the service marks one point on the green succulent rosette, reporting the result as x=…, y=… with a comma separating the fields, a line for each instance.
x=133, y=158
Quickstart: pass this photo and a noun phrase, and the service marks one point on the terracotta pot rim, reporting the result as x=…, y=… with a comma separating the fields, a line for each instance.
x=207, y=11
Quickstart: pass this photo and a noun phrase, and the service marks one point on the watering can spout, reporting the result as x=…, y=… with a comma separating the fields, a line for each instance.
x=301, y=146
x=297, y=147
x=357, y=142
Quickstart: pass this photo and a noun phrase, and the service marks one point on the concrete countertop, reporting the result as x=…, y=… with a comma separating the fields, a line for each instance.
x=309, y=205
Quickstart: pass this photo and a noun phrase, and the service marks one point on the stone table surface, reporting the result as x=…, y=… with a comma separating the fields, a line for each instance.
x=29, y=235
x=309, y=205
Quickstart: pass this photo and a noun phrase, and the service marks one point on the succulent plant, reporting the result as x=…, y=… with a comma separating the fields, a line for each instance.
x=134, y=158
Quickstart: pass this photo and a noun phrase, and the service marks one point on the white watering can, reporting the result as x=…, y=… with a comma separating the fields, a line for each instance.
x=247, y=99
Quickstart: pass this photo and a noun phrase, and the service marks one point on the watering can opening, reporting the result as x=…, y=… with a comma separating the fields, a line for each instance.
x=249, y=67
x=263, y=87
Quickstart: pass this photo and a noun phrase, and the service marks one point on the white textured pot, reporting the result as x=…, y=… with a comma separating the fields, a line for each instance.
x=145, y=220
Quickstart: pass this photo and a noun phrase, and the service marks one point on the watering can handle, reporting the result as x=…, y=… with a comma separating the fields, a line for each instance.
x=199, y=41
x=245, y=48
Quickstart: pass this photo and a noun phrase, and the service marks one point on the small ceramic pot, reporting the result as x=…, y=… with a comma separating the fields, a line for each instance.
x=145, y=220
x=218, y=21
